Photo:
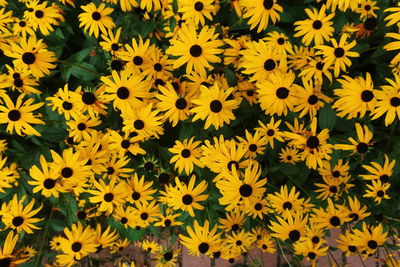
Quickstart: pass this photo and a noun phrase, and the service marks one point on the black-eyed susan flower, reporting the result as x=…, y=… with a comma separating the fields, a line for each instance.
x=292, y=228
x=257, y=208
x=196, y=50
x=137, y=55
x=289, y=155
x=331, y=188
x=233, y=222
x=356, y=97
x=96, y=19
x=378, y=171
x=393, y=18
x=90, y=100
x=142, y=190
x=377, y=191
x=46, y=181
x=240, y=240
x=357, y=211
x=214, y=107
x=72, y=170
x=255, y=144
x=111, y=41
x=43, y=16
x=317, y=28
x=223, y=155
x=7, y=256
x=333, y=216
x=126, y=91
x=147, y=213
x=388, y=101
x=338, y=55
x=310, y=99
x=315, y=69
x=105, y=238
x=342, y=5
x=369, y=237
x=261, y=60
x=125, y=142
x=63, y=102
x=187, y=197
x=314, y=147
x=285, y=202
x=19, y=116
x=270, y=131
x=280, y=42
x=150, y=246
x=126, y=216
x=277, y=95
x=108, y=195
x=346, y=244
x=367, y=8
x=260, y=12
x=363, y=142
x=19, y=79
x=166, y=257
x=145, y=121
x=197, y=11
x=310, y=250
x=169, y=219
x=266, y=244
x=201, y=239
x=186, y=155
x=236, y=189
x=81, y=127
x=79, y=241
x=32, y=54
x=20, y=217
x=175, y=105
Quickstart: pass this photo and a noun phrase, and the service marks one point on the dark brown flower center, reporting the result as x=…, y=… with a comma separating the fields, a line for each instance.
x=216, y=106
x=196, y=50
x=187, y=199
x=339, y=52
x=245, y=190
x=317, y=24
x=282, y=92
x=123, y=92
x=269, y=64
x=14, y=115
x=108, y=197
x=96, y=16
x=28, y=58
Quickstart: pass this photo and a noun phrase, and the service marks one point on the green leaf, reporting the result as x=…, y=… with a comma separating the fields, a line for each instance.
x=327, y=117
x=58, y=225
x=231, y=77
x=134, y=235
x=81, y=55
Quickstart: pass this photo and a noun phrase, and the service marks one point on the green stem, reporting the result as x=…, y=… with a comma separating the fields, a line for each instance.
x=330, y=253
x=79, y=66
x=39, y=256
x=283, y=253
x=362, y=261
x=392, y=219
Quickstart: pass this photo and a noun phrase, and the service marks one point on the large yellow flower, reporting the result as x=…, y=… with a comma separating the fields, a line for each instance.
x=32, y=54
x=197, y=51
x=19, y=116
x=96, y=18
x=214, y=107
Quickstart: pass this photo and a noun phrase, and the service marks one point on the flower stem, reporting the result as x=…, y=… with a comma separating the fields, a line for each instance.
x=39, y=255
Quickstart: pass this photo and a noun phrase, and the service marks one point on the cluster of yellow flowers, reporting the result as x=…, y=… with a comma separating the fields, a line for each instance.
x=220, y=125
